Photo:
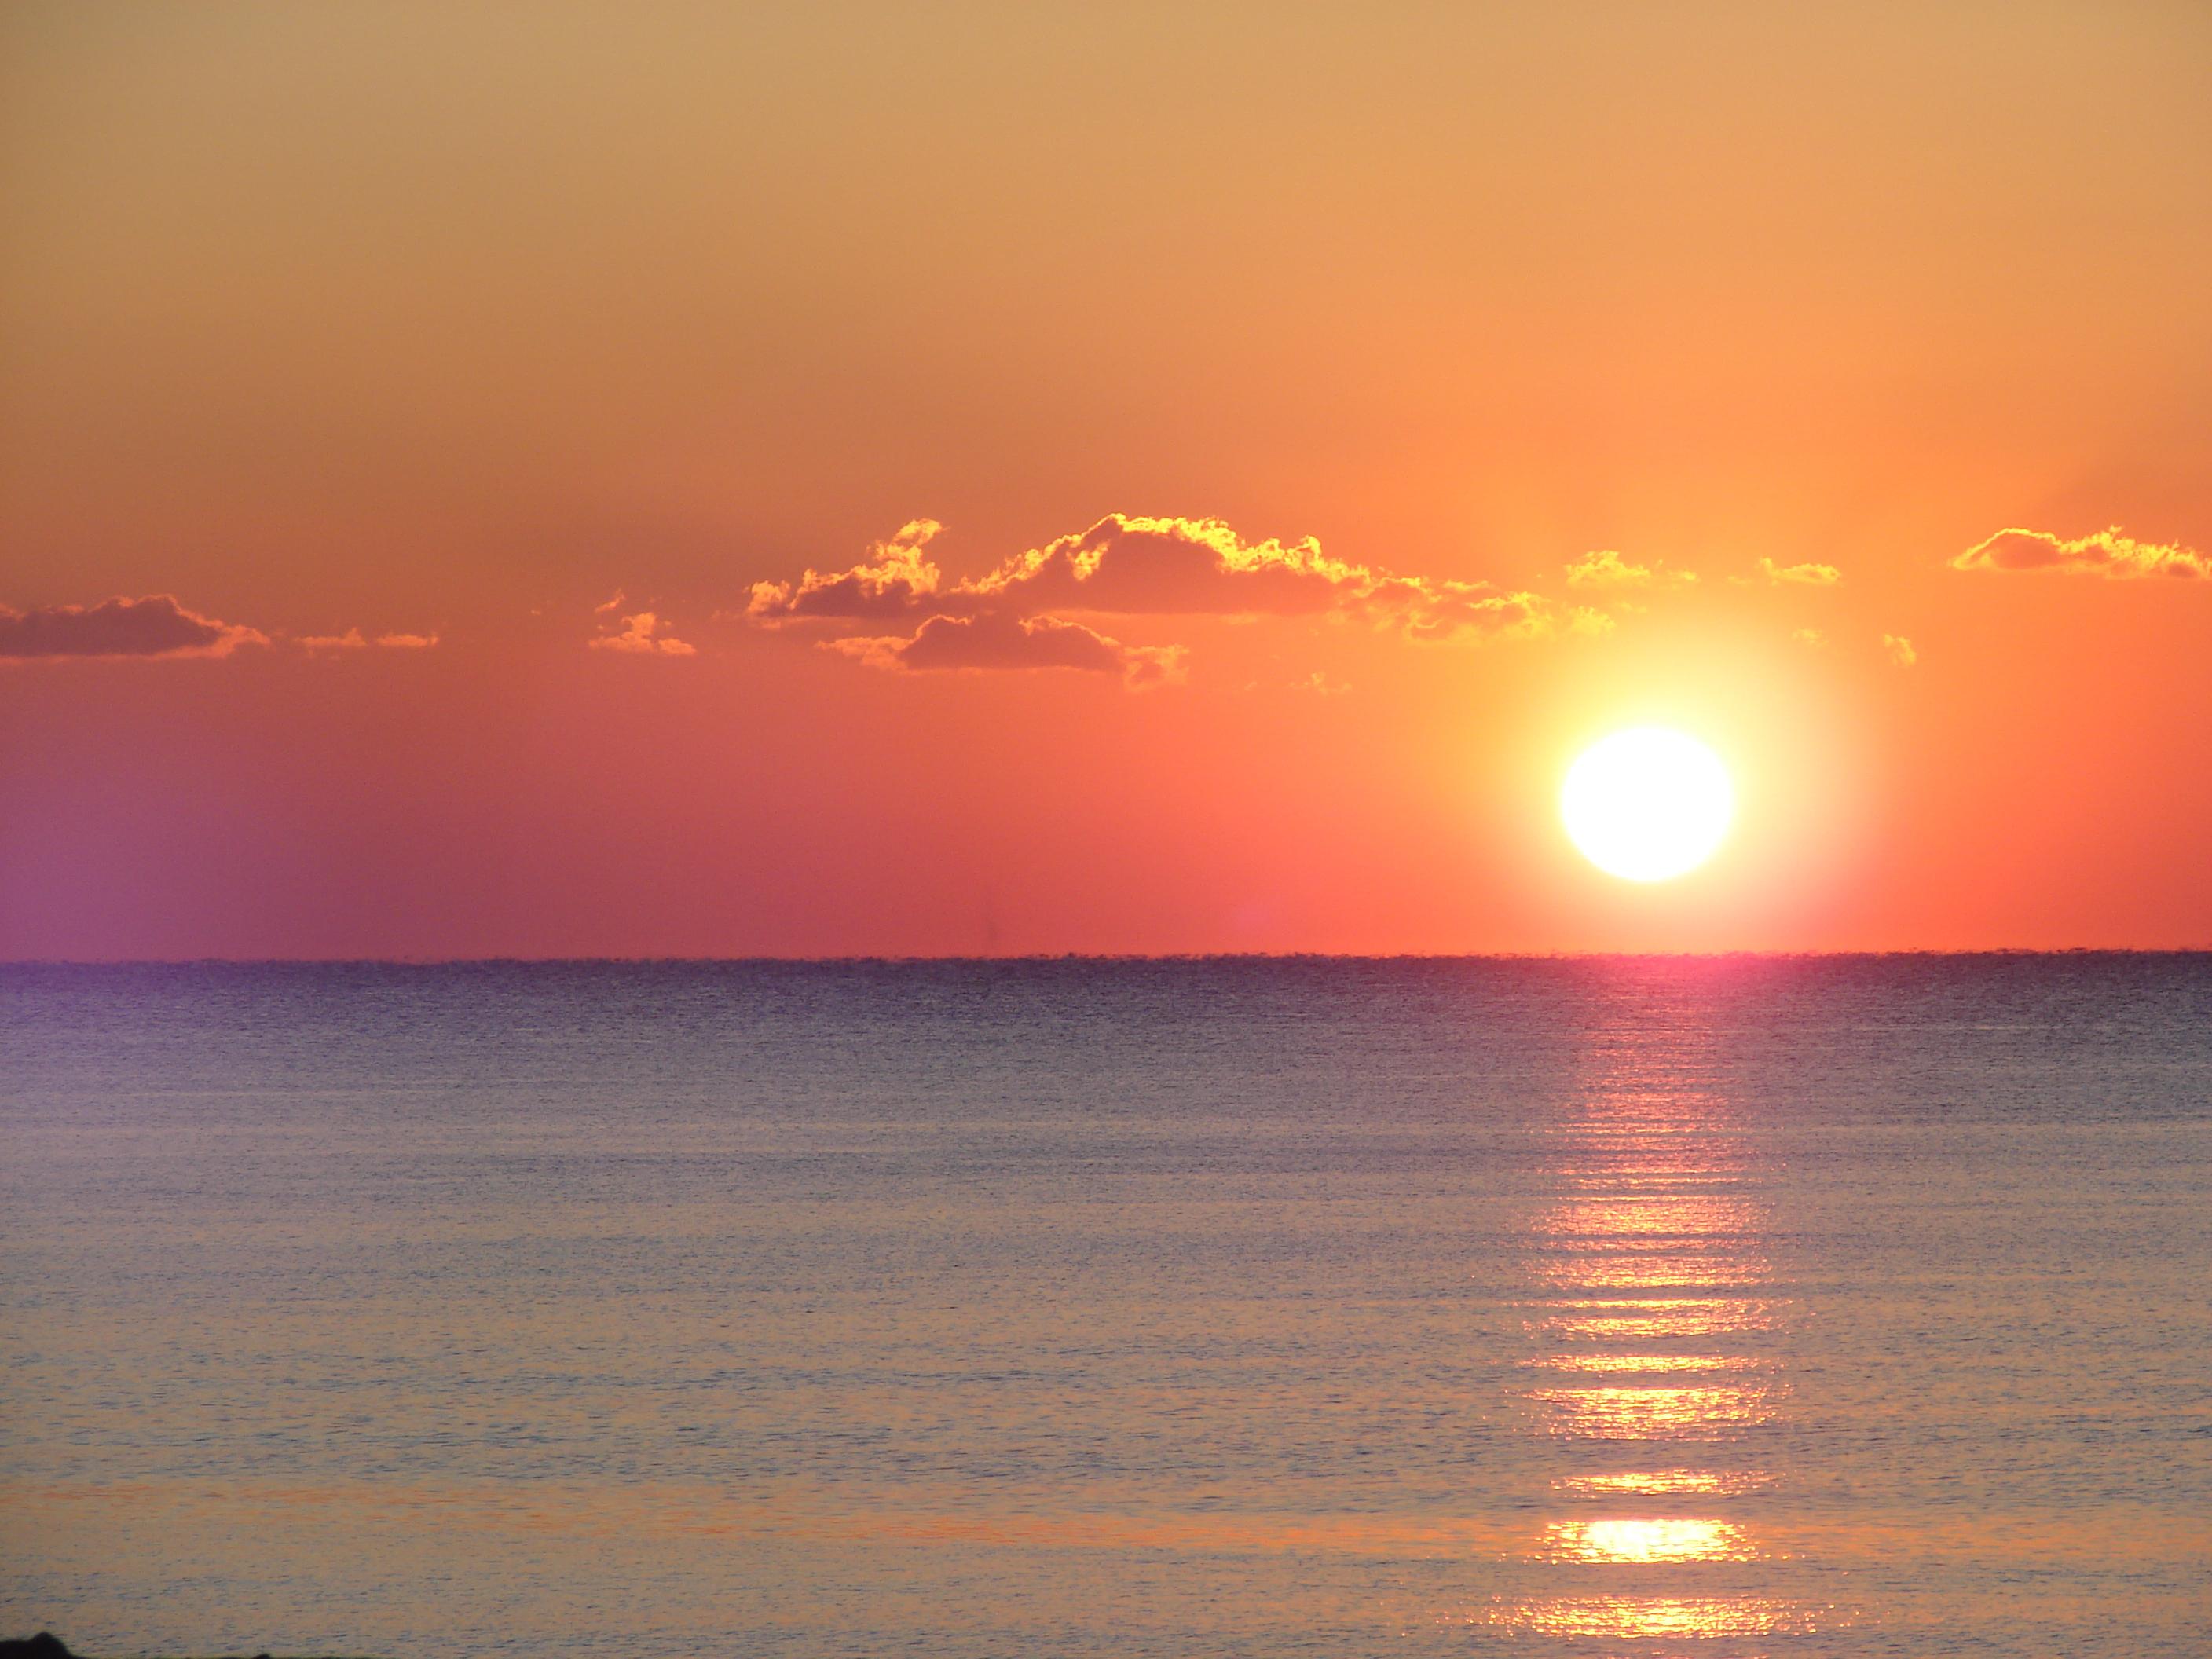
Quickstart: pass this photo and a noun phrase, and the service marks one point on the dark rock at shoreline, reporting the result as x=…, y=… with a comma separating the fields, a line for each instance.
x=47, y=1645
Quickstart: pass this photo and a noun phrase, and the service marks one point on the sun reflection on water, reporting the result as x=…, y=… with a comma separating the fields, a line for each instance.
x=1640, y=1273
x=1644, y=1318
x=1655, y=1413
x=1627, y=1539
x=1656, y=1304
x=1650, y=1483
x=1611, y=1363
x=1682, y=1216
x=1627, y=1617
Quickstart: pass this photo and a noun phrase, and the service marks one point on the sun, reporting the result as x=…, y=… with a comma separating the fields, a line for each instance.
x=1647, y=804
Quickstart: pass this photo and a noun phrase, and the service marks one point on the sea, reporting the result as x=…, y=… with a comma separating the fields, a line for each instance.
x=1595, y=1307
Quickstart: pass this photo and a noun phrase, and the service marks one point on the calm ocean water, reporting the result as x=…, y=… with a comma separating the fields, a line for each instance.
x=1722, y=1307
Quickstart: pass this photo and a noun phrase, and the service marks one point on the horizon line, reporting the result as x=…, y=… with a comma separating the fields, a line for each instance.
x=1037, y=959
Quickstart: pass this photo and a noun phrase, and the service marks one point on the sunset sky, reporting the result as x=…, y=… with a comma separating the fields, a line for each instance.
x=832, y=480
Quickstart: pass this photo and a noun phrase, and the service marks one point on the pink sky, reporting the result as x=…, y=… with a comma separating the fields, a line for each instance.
x=607, y=482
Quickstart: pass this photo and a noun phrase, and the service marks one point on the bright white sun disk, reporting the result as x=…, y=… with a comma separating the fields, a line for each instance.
x=1647, y=804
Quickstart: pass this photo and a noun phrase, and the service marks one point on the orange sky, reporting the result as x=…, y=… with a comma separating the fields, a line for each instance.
x=1326, y=411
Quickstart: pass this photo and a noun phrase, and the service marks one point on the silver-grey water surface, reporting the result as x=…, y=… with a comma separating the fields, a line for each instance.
x=1827, y=1306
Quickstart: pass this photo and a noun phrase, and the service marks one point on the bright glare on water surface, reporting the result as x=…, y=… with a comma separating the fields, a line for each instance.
x=1725, y=1308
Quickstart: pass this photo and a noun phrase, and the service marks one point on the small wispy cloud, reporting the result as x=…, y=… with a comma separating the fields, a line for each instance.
x=1804, y=575
x=1607, y=569
x=644, y=632
x=1899, y=650
x=354, y=639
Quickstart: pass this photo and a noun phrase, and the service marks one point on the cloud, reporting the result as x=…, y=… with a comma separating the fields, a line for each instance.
x=1125, y=565
x=1607, y=569
x=895, y=579
x=1122, y=565
x=1899, y=650
x=999, y=639
x=1133, y=566
x=1811, y=637
x=1808, y=576
x=641, y=633
x=155, y=626
x=2106, y=553
x=353, y=640
x=1019, y=615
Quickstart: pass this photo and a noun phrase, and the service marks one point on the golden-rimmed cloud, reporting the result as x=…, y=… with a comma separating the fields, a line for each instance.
x=897, y=579
x=1024, y=613
x=1002, y=640
x=1127, y=565
x=1133, y=566
x=2105, y=553
x=155, y=625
